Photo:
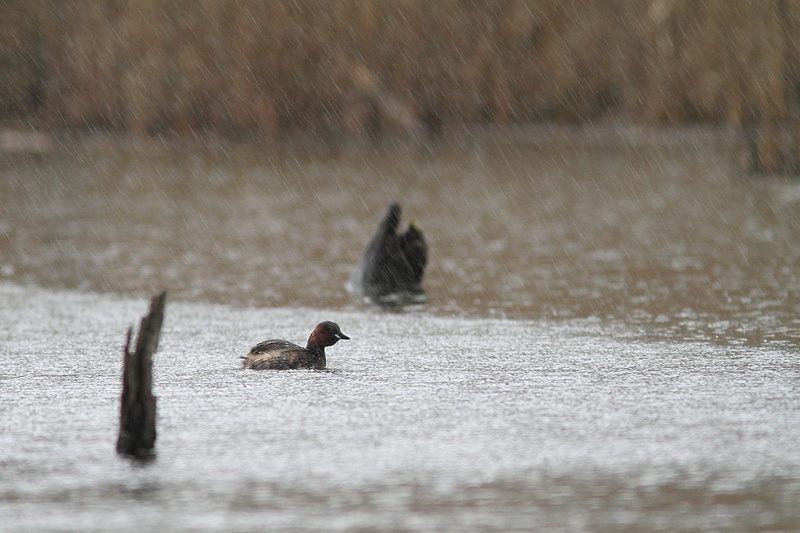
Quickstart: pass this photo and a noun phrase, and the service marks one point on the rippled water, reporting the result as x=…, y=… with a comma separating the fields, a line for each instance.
x=659, y=230
x=609, y=343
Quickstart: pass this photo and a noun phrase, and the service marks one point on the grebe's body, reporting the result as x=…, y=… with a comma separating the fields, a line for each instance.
x=393, y=264
x=285, y=355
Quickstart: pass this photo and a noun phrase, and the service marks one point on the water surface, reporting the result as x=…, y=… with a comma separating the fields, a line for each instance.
x=660, y=229
x=609, y=343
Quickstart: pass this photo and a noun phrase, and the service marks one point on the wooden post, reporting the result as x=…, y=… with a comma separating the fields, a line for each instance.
x=137, y=423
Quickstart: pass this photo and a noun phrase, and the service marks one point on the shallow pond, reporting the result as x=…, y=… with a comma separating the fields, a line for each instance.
x=609, y=342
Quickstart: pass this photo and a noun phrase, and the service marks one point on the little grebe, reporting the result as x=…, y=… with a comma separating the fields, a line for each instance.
x=284, y=355
x=393, y=264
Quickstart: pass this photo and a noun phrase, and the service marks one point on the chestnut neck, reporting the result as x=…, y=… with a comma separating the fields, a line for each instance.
x=318, y=340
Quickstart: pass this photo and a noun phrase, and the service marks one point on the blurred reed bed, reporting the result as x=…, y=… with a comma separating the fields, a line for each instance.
x=348, y=66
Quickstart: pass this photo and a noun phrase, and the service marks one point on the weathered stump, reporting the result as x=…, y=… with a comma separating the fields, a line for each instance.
x=137, y=423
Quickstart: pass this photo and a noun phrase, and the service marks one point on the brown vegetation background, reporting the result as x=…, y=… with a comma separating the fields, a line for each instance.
x=238, y=66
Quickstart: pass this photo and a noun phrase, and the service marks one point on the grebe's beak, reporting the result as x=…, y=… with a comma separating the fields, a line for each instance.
x=342, y=337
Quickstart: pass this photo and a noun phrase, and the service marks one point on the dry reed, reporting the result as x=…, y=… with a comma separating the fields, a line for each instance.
x=252, y=66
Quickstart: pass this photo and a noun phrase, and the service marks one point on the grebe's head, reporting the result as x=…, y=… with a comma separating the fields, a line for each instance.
x=327, y=334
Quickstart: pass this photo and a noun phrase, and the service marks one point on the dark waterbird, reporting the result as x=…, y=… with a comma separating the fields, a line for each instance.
x=391, y=270
x=285, y=355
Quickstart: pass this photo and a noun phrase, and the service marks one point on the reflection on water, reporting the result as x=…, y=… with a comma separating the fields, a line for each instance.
x=548, y=380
